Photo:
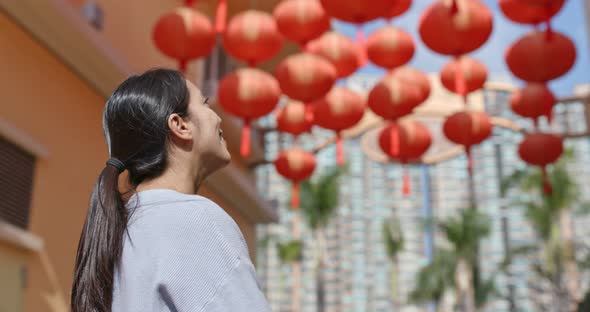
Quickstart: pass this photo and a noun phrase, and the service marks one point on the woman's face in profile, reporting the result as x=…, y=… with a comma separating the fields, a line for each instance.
x=208, y=136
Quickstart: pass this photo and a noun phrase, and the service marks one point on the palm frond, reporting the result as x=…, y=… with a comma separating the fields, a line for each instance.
x=319, y=198
x=265, y=241
x=435, y=278
x=584, y=305
x=541, y=217
x=393, y=238
x=465, y=231
x=485, y=291
x=290, y=251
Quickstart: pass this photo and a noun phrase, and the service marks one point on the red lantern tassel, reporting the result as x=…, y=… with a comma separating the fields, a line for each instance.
x=245, y=146
x=460, y=83
x=394, y=141
x=547, y=188
x=549, y=116
x=308, y=113
x=221, y=16
x=339, y=150
x=406, y=185
x=360, y=41
x=304, y=47
x=295, y=196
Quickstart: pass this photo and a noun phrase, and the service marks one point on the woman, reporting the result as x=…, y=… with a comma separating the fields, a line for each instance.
x=164, y=248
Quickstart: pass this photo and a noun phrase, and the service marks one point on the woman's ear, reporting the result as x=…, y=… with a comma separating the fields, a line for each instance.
x=179, y=127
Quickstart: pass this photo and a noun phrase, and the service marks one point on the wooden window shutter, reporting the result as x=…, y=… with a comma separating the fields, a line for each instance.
x=16, y=184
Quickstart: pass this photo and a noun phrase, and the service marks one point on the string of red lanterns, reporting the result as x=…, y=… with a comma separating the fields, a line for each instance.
x=453, y=28
x=537, y=58
x=456, y=29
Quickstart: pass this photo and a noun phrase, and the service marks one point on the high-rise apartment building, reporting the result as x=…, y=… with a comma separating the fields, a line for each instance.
x=359, y=276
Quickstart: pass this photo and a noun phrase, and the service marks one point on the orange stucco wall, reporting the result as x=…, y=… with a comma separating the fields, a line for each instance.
x=49, y=102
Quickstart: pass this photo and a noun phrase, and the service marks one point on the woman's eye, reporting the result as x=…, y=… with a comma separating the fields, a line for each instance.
x=206, y=102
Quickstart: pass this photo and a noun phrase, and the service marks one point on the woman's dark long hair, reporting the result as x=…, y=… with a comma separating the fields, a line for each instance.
x=135, y=124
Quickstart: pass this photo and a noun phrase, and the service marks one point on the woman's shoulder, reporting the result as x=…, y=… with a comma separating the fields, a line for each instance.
x=186, y=217
x=168, y=207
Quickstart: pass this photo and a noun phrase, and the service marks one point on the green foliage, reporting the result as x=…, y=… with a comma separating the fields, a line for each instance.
x=290, y=251
x=484, y=291
x=565, y=192
x=584, y=305
x=393, y=238
x=319, y=198
x=465, y=231
x=435, y=278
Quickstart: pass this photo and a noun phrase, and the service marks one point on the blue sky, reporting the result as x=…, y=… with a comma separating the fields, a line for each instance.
x=570, y=21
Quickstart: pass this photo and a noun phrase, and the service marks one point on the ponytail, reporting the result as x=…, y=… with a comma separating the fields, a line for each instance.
x=101, y=243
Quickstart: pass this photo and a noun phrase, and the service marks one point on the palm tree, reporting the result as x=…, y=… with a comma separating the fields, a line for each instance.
x=457, y=267
x=436, y=278
x=550, y=215
x=319, y=200
x=289, y=252
x=394, y=243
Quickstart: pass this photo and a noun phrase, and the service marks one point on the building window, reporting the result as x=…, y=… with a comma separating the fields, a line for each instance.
x=16, y=181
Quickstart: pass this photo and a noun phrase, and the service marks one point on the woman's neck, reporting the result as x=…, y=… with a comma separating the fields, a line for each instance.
x=182, y=180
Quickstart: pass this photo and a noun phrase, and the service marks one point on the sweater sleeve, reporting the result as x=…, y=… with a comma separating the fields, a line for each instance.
x=239, y=292
x=200, y=269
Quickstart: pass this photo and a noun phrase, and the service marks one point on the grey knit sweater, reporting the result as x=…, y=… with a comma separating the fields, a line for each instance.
x=184, y=253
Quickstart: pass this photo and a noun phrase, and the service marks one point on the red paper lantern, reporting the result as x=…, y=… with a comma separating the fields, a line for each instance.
x=399, y=8
x=541, y=149
x=393, y=97
x=464, y=75
x=523, y=12
x=468, y=128
x=340, y=109
x=415, y=77
x=541, y=2
x=249, y=93
x=296, y=165
x=390, y=47
x=533, y=101
x=356, y=11
x=538, y=57
x=184, y=34
x=455, y=27
x=405, y=141
x=301, y=20
x=305, y=77
x=253, y=37
x=291, y=118
x=339, y=50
